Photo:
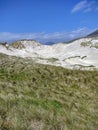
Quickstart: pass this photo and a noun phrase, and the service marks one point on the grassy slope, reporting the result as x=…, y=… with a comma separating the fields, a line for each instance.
x=43, y=97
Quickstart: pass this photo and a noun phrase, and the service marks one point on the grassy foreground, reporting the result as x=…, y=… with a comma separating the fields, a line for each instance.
x=43, y=97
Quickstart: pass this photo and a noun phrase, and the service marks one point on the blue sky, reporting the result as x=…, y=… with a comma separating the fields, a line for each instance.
x=47, y=20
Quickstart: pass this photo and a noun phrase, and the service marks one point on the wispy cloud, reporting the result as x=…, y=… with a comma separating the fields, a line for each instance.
x=45, y=37
x=88, y=10
x=97, y=8
x=85, y=6
x=79, y=6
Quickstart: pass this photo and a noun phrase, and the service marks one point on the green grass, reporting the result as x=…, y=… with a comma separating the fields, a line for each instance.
x=44, y=97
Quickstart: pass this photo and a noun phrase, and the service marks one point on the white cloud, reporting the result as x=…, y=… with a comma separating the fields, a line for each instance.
x=45, y=37
x=85, y=6
x=79, y=6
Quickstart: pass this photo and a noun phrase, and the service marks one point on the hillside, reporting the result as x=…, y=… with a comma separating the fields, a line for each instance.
x=81, y=53
x=44, y=97
x=94, y=34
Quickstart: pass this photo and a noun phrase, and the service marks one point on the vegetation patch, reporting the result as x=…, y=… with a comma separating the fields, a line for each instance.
x=89, y=44
x=73, y=57
x=18, y=45
x=86, y=43
x=52, y=60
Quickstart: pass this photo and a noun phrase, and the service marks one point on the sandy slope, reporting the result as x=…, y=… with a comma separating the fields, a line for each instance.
x=66, y=55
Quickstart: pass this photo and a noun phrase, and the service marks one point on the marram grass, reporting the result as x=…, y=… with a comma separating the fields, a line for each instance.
x=44, y=97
